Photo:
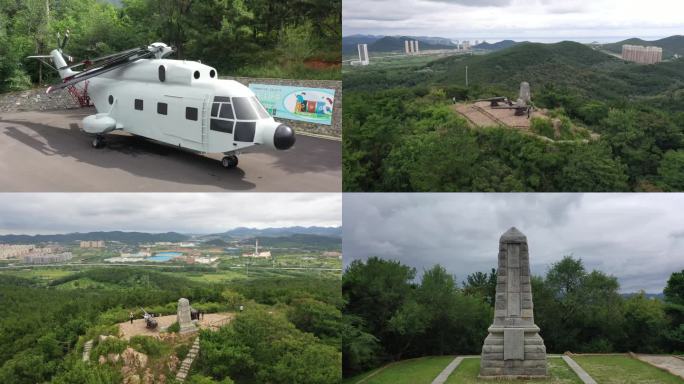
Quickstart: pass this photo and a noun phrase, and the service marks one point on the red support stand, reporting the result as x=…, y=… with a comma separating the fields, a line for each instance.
x=80, y=96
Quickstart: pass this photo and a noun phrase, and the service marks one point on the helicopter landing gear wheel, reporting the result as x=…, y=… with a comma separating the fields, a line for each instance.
x=98, y=142
x=229, y=162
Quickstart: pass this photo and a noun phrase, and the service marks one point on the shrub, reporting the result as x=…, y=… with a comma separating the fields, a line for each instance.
x=543, y=127
x=108, y=346
x=175, y=328
x=19, y=80
x=148, y=345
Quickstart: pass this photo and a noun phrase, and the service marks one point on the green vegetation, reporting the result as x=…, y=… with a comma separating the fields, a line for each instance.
x=293, y=38
x=389, y=316
x=412, y=371
x=623, y=370
x=400, y=133
x=559, y=373
x=48, y=322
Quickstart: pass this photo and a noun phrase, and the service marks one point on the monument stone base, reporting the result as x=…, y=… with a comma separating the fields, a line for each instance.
x=523, y=358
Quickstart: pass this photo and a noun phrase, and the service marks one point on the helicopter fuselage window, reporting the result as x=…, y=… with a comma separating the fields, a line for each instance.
x=215, y=109
x=191, y=113
x=138, y=104
x=244, y=109
x=162, y=108
x=111, y=100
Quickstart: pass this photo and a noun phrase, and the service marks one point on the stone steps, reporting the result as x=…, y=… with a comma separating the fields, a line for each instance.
x=182, y=373
x=86, y=350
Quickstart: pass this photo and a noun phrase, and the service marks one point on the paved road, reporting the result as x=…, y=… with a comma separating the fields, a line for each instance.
x=47, y=152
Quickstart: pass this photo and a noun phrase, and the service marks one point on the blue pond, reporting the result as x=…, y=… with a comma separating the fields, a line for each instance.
x=164, y=256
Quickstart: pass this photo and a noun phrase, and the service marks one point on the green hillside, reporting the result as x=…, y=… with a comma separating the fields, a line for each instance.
x=301, y=241
x=671, y=45
x=399, y=123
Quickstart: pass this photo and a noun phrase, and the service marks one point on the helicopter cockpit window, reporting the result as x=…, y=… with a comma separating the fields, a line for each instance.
x=226, y=111
x=259, y=108
x=222, y=116
x=244, y=109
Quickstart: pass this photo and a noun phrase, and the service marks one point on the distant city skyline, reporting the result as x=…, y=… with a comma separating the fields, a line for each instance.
x=637, y=238
x=189, y=213
x=535, y=20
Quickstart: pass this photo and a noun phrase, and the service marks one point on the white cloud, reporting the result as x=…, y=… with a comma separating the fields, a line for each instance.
x=636, y=237
x=33, y=213
x=540, y=20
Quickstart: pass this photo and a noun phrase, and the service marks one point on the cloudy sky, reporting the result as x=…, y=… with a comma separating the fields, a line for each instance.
x=48, y=213
x=534, y=20
x=639, y=238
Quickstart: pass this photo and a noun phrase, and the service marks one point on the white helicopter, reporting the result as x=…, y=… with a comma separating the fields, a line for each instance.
x=177, y=102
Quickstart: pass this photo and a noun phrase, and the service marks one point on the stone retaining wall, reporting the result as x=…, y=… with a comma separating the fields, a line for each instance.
x=36, y=100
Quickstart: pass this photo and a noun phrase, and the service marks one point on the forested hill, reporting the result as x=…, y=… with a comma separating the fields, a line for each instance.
x=496, y=46
x=671, y=45
x=243, y=232
x=561, y=65
x=289, y=38
x=565, y=63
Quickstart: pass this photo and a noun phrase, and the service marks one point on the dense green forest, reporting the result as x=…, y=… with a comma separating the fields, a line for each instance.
x=390, y=315
x=400, y=133
x=293, y=38
x=45, y=324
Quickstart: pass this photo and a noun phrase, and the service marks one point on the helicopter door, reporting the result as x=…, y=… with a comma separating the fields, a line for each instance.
x=185, y=117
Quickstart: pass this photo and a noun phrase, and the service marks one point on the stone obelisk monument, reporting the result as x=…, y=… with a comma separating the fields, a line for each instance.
x=183, y=316
x=513, y=348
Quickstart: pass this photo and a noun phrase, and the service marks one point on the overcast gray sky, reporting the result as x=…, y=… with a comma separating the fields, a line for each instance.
x=534, y=20
x=639, y=238
x=48, y=213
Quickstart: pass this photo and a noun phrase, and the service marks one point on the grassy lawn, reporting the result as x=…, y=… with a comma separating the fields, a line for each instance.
x=48, y=274
x=623, y=370
x=559, y=373
x=413, y=371
x=218, y=277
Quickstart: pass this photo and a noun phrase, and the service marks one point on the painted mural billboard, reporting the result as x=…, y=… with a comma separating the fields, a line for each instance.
x=312, y=105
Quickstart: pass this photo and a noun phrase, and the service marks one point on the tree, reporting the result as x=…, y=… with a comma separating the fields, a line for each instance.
x=565, y=276
x=671, y=171
x=645, y=322
x=481, y=284
x=374, y=290
x=360, y=350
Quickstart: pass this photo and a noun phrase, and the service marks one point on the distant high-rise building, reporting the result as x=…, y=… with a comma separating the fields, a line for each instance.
x=13, y=251
x=411, y=47
x=93, y=244
x=49, y=258
x=363, y=54
x=642, y=55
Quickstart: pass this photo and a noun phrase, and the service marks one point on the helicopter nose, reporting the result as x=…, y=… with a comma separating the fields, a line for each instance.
x=284, y=137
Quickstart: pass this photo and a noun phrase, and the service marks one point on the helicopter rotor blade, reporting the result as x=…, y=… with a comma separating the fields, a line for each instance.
x=91, y=62
x=93, y=72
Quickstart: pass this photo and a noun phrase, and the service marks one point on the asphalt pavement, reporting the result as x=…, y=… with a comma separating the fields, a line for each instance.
x=48, y=152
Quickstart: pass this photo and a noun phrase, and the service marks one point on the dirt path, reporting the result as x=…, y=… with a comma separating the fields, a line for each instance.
x=209, y=321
